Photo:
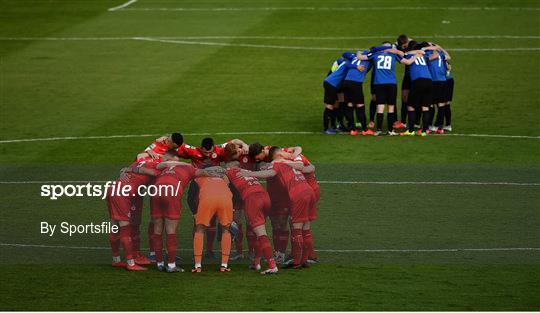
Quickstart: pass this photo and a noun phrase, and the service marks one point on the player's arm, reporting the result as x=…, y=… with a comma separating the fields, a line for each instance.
x=142, y=170
x=446, y=54
x=434, y=56
x=240, y=143
x=377, y=49
x=308, y=169
x=395, y=51
x=297, y=165
x=259, y=174
x=210, y=172
x=411, y=60
x=295, y=151
x=165, y=164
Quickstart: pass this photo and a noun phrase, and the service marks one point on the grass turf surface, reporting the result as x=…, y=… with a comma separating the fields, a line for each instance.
x=58, y=88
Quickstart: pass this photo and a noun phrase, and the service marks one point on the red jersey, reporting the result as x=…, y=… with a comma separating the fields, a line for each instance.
x=292, y=179
x=310, y=177
x=158, y=146
x=180, y=173
x=244, y=185
x=135, y=180
x=198, y=159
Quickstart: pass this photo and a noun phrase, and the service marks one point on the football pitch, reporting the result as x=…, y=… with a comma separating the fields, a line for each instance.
x=444, y=222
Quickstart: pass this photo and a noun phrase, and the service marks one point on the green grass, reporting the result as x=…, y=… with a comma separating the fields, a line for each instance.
x=61, y=88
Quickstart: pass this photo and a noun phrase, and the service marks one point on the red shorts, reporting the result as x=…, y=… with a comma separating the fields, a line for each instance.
x=122, y=208
x=257, y=207
x=302, y=204
x=168, y=207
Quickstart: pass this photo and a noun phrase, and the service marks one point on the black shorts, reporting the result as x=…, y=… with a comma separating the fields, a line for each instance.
x=421, y=92
x=330, y=93
x=386, y=93
x=439, y=92
x=353, y=92
x=449, y=90
x=406, y=82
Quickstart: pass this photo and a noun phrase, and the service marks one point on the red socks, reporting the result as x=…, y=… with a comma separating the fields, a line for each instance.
x=125, y=240
x=171, y=248
x=252, y=240
x=297, y=245
x=266, y=249
x=114, y=241
x=157, y=243
x=308, y=245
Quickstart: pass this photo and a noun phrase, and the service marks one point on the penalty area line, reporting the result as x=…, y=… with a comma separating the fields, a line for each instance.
x=21, y=245
x=122, y=6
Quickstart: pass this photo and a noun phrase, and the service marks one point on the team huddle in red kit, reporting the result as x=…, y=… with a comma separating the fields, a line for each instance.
x=223, y=189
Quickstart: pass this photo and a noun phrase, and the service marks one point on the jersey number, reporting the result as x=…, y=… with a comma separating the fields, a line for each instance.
x=420, y=61
x=385, y=62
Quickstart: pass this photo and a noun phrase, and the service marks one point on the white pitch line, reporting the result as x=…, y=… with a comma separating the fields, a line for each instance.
x=244, y=45
x=239, y=133
x=269, y=37
x=122, y=6
x=247, y=45
x=400, y=8
x=188, y=41
x=20, y=245
x=322, y=182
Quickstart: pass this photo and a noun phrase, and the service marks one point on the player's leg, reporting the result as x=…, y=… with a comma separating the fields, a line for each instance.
x=299, y=211
x=404, y=104
x=390, y=119
x=380, y=118
x=119, y=212
x=392, y=114
x=114, y=241
x=152, y=252
x=340, y=112
x=372, y=104
x=441, y=108
x=211, y=231
x=205, y=212
x=225, y=217
x=330, y=98
x=157, y=241
x=372, y=111
x=135, y=222
x=198, y=242
x=172, y=242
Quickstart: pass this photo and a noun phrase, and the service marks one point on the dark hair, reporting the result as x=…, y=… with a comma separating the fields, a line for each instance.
x=386, y=42
x=173, y=153
x=402, y=39
x=177, y=138
x=254, y=149
x=272, y=152
x=412, y=45
x=207, y=143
